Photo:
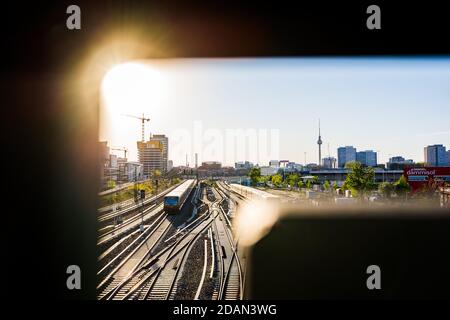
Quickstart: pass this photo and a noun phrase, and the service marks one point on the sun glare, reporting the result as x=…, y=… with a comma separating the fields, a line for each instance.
x=129, y=89
x=132, y=87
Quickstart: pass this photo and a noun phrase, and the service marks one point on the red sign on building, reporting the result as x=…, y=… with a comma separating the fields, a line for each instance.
x=431, y=177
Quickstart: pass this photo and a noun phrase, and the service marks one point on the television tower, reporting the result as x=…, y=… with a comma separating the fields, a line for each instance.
x=319, y=142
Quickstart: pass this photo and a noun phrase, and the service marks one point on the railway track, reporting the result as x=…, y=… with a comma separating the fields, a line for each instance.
x=154, y=268
x=123, y=245
x=232, y=282
x=135, y=258
x=130, y=224
x=129, y=206
x=164, y=285
x=156, y=280
x=232, y=285
x=229, y=275
x=219, y=273
x=230, y=193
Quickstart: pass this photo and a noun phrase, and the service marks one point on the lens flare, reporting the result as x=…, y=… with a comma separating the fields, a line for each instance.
x=132, y=87
x=254, y=220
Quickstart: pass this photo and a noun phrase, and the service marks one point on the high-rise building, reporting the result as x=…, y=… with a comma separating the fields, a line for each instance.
x=165, y=143
x=329, y=162
x=150, y=154
x=448, y=157
x=435, y=155
x=367, y=158
x=346, y=154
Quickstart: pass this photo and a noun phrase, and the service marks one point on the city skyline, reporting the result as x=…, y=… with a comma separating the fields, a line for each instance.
x=289, y=95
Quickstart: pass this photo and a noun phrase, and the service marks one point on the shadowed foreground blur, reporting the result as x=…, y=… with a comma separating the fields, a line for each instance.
x=324, y=255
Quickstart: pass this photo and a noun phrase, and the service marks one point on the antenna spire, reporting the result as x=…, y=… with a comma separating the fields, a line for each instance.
x=319, y=143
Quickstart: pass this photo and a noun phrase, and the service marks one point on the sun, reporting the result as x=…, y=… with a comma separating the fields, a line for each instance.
x=132, y=88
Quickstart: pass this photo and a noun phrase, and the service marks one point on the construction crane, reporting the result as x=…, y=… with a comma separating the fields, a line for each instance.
x=125, y=150
x=143, y=119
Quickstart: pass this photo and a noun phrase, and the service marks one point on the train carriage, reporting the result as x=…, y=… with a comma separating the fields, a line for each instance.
x=174, y=200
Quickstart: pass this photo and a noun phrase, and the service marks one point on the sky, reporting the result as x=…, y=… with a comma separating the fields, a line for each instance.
x=268, y=108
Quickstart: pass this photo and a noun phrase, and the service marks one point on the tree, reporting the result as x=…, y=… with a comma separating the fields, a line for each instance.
x=147, y=186
x=156, y=174
x=254, y=174
x=292, y=179
x=308, y=184
x=335, y=185
x=360, y=179
x=263, y=179
x=326, y=185
x=402, y=187
x=111, y=184
x=277, y=179
x=386, y=189
x=300, y=184
x=344, y=186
